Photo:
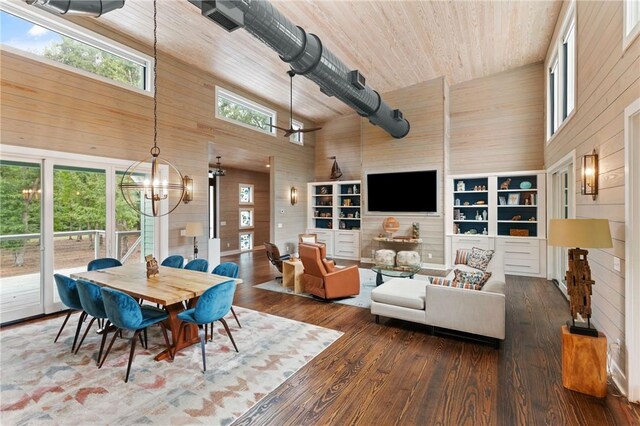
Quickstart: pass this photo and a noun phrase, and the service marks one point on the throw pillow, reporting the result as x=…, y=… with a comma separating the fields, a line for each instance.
x=440, y=281
x=470, y=280
x=308, y=240
x=479, y=258
x=462, y=257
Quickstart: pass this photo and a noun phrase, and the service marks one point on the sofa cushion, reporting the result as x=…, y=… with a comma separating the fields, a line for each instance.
x=480, y=258
x=470, y=280
x=403, y=292
x=440, y=281
x=462, y=257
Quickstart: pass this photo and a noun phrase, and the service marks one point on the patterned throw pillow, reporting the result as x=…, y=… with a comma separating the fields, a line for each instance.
x=479, y=258
x=471, y=280
x=462, y=257
x=440, y=281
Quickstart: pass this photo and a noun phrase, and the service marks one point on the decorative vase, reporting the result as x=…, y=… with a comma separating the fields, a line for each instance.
x=525, y=185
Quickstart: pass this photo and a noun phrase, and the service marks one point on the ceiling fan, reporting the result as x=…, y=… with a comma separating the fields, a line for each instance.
x=291, y=131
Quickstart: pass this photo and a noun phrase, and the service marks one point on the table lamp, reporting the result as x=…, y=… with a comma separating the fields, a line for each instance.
x=195, y=230
x=580, y=233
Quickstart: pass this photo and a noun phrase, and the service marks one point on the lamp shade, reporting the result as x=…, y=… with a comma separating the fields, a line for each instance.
x=583, y=233
x=194, y=229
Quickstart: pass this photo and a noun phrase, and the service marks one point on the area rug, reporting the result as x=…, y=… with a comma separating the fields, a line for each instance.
x=362, y=300
x=44, y=383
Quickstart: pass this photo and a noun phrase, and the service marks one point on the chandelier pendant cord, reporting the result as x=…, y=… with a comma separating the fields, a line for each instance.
x=155, y=151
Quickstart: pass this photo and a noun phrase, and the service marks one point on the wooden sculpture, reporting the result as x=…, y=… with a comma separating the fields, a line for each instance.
x=152, y=266
x=579, y=284
x=505, y=184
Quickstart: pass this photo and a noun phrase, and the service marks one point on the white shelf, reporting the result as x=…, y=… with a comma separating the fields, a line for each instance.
x=471, y=205
x=470, y=192
x=472, y=221
x=349, y=207
x=519, y=190
x=319, y=217
x=517, y=205
x=349, y=195
x=517, y=221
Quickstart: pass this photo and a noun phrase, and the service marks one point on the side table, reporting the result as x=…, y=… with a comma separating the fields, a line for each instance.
x=292, y=275
x=584, y=363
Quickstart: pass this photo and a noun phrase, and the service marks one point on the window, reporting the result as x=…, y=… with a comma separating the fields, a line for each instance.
x=246, y=218
x=246, y=193
x=246, y=241
x=297, y=138
x=561, y=75
x=242, y=111
x=631, y=22
x=28, y=30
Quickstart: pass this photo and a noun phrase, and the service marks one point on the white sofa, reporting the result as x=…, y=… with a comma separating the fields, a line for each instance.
x=479, y=312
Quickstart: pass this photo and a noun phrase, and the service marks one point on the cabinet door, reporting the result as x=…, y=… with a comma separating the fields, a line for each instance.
x=347, y=245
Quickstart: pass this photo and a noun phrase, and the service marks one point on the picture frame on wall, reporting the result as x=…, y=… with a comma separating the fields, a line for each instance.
x=514, y=199
x=502, y=201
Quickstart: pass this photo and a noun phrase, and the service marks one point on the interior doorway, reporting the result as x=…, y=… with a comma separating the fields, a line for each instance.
x=561, y=202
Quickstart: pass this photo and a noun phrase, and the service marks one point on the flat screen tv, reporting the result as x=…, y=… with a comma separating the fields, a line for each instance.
x=403, y=192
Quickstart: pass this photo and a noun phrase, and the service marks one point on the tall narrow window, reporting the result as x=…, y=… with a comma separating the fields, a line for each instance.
x=631, y=21
x=561, y=79
x=246, y=218
x=52, y=39
x=297, y=138
x=246, y=241
x=246, y=194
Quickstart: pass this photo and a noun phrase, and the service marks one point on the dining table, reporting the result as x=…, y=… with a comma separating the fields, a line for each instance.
x=172, y=287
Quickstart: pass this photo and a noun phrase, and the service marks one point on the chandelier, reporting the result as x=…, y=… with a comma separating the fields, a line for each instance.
x=218, y=171
x=136, y=185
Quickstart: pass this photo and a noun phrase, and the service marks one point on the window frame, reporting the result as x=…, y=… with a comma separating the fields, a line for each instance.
x=247, y=103
x=250, y=233
x=630, y=32
x=300, y=136
x=61, y=26
x=251, y=194
x=565, y=83
x=251, y=216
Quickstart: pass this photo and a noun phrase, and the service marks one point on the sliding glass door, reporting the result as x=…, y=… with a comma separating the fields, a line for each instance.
x=57, y=213
x=20, y=240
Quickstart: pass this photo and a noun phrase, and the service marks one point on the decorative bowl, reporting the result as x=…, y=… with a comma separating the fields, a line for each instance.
x=525, y=185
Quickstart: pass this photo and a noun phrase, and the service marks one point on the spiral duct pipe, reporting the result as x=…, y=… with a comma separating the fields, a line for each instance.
x=93, y=8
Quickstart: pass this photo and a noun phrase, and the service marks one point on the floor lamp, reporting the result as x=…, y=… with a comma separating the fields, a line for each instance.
x=580, y=233
x=195, y=230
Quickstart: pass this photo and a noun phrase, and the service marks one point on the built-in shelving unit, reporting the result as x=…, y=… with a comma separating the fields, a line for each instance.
x=335, y=214
x=510, y=218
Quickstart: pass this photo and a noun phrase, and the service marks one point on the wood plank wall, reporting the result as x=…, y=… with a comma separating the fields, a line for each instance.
x=608, y=80
x=343, y=141
x=44, y=106
x=497, y=122
x=230, y=208
x=422, y=149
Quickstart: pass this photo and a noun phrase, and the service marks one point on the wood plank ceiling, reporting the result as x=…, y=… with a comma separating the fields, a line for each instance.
x=394, y=44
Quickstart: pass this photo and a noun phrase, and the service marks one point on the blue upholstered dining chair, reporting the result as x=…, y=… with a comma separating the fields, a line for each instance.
x=227, y=269
x=201, y=265
x=175, y=261
x=68, y=292
x=103, y=263
x=91, y=300
x=126, y=314
x=212, y=306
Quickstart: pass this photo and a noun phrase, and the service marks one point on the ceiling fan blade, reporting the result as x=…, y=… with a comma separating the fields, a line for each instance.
x=276, y=127
x=308, y=130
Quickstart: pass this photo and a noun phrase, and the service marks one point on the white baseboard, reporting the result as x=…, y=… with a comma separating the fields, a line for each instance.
x=618, y=378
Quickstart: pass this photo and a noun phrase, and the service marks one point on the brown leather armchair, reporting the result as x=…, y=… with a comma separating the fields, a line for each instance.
x=323, y=279
x=273, y=254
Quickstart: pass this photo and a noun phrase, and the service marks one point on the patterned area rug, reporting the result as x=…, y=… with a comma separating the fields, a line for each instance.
x=44, y=383
x=363, y=300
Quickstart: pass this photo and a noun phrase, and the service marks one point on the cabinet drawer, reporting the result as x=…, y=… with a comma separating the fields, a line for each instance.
x=347, y=252
x=346, y=238
x=527, y=266
x=469, y=243
x=518, y=248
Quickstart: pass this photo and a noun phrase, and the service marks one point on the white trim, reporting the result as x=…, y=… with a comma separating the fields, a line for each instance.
x=630, y=34
x=569, y=158
x=249, y=104
x=632, y=250
x=79, y=33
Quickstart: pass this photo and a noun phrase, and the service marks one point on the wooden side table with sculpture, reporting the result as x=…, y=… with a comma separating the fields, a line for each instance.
x=292, y=271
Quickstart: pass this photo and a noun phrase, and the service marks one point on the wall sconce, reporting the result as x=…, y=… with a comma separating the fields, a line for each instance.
x=294, y=195
x=590, y=174
x=188, y=190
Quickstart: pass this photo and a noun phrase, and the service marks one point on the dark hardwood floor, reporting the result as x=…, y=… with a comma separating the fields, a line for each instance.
x=396, y=372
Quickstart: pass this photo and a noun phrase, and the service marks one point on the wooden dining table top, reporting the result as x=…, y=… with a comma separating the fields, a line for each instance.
x=170, y=286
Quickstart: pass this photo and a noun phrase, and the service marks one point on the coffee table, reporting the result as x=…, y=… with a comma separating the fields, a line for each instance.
x=394, y=271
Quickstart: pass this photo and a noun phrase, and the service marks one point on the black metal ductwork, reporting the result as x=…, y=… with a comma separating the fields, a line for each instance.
x=306, y=56
x=93, y=8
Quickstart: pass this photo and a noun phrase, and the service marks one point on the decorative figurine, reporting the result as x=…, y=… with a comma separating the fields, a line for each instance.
x=484, y=231
x=532, y=219
x=457, y=201
x=505, y=184
x=484, y=215
x=152, y=266
x=355, y=189
x=357, y=214
x=416, y=230
x=460, y=186
x=349, y=190
x=516, y=217
x=323, y=190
